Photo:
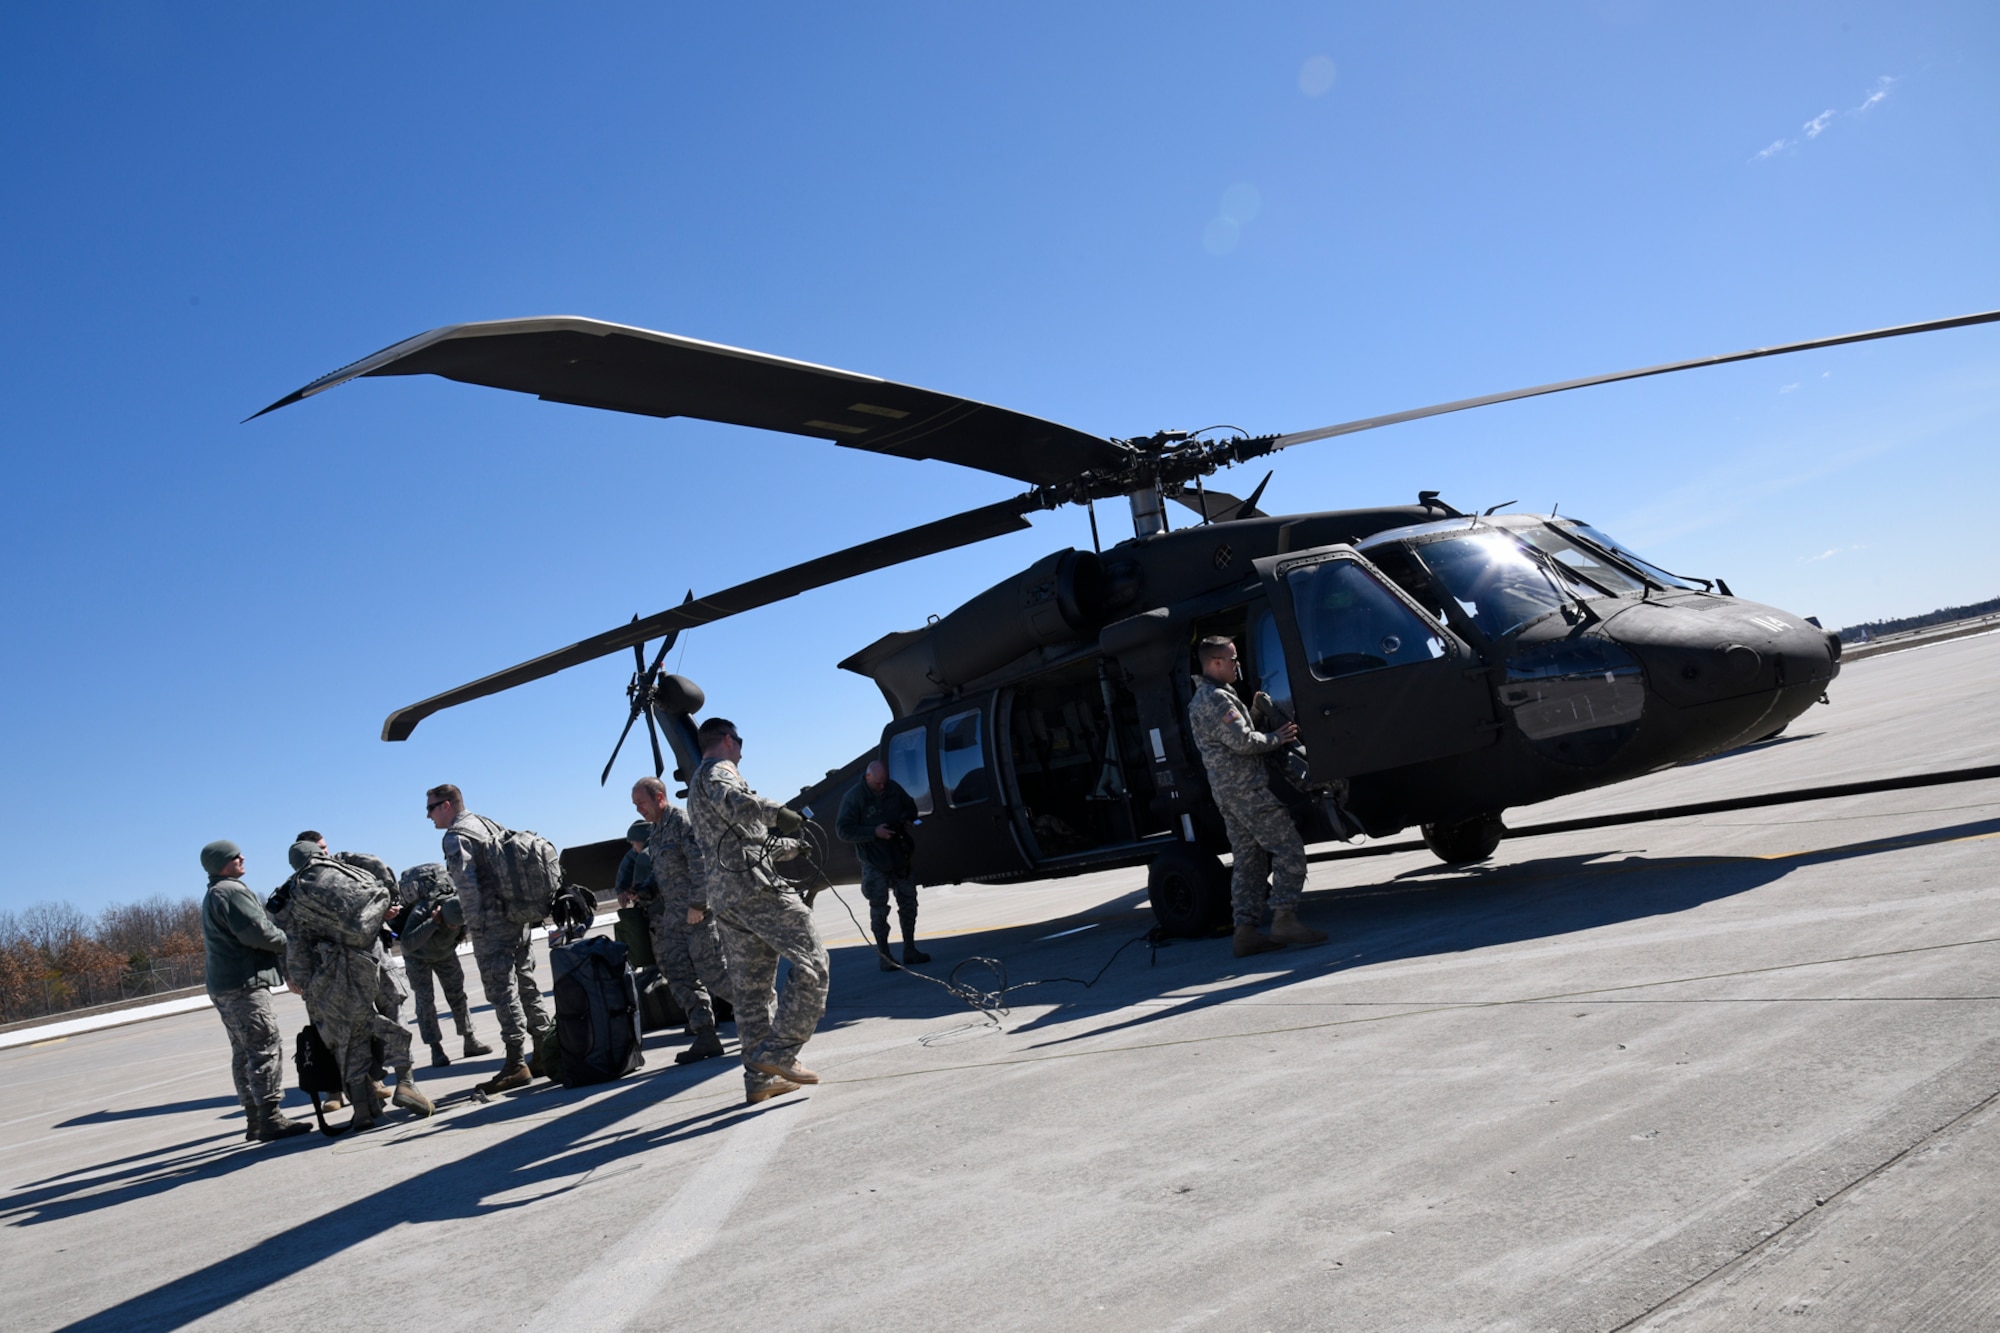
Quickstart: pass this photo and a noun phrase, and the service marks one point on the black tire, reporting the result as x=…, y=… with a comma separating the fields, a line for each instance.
x=1465, y=841
x=1189, y=891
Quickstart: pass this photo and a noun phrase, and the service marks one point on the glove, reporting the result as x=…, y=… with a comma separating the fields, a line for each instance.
x=787, y=820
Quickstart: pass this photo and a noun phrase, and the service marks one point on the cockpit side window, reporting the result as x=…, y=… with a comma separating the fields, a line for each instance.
x=1350, y=623
x=1267, y=652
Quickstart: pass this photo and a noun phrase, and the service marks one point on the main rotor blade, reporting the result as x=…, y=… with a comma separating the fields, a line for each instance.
x=589, y=363
x=1439, y=409
x=975, y=525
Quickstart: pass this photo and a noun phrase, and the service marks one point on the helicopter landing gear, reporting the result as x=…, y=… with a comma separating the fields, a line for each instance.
x=1189, y=891
x=1465, y=841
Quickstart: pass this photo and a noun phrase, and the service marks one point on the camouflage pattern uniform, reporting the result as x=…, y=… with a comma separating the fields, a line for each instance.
x=1262, y=836
x=352, y=994
x=244, y=947
x=500, y=948
x=690, y=957
x=429, y=948
x=762, y=917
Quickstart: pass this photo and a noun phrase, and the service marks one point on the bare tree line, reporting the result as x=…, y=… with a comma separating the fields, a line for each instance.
x=53, y=957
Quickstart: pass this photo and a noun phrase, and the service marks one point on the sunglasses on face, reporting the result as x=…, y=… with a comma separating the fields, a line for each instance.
x=434, y=805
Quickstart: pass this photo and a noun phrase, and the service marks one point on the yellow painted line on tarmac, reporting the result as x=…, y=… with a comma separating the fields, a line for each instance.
x=51, y=1041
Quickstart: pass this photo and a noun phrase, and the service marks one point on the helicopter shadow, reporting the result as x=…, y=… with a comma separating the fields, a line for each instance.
x=1437, y=910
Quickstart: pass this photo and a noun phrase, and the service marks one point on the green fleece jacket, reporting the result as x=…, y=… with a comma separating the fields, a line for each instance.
x=244, y=947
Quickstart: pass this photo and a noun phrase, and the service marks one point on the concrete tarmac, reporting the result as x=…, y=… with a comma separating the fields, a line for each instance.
x=1734, y=1072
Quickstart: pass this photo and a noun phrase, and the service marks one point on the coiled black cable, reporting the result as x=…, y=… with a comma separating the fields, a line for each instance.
x=991, y=1000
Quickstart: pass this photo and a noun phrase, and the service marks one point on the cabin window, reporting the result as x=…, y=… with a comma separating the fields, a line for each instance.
x=909, y=767
x=962, y=759
x=1349, y=623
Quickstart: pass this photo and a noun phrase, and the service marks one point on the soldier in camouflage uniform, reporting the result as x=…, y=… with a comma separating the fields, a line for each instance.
x=352, y=994
x=740, y=838
x=429, y=919
x=502, y=949
x=244, y=948
x=686, y=941
x=1263, y=840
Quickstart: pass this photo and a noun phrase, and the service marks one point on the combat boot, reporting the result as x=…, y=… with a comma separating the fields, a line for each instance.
x=882, y=958
x=912, y=955
x=331, y=1101
x=380, y=1092
x=1248, y=942
x=254, y=1115
x=764, y=1092
x=1286, y=928
x=367, y=1110
x=474, y=1047
x=787, y=1068
x=512, y=1075
x=706, y=1047
x=408, y=1095
x=273, y=1124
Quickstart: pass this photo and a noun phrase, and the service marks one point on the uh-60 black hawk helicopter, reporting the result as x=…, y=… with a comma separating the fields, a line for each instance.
x=1442, y=666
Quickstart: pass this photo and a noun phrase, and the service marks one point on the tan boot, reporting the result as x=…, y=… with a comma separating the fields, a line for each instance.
x=408, y=1095
x=1286, y=928
x=707, y=1045
x=788, y=1068
x=273, y=1124
x=764, y=1092
x=513, y=1074
x=1248, y=942
x=367, y=1110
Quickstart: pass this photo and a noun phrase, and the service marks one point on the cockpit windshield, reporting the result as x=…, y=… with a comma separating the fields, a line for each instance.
x=1584, y=560
x=1646, y=567
x=1496, y=583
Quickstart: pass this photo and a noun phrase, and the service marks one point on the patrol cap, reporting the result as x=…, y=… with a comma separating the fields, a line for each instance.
x=640, y=831
x=301, y=854
x=219, y=854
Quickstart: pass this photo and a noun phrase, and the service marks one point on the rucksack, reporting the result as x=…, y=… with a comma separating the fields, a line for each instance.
x=523, y=868
x=319, y=1074
x=597, y=1012
x=333, y=900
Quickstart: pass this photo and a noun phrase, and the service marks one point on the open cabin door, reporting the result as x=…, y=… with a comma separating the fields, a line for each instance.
x=1374, y=682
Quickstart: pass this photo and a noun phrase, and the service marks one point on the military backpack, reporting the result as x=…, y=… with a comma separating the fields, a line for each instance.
x=519, y=867
x=332, y=900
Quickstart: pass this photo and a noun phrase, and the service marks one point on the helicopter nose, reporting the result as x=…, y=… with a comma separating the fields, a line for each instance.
x=1709, y=651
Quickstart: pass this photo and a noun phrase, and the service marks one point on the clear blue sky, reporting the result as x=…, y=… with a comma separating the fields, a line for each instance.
x=1124, y=217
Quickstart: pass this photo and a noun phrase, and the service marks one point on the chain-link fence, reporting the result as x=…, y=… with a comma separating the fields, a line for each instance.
x=43, y=996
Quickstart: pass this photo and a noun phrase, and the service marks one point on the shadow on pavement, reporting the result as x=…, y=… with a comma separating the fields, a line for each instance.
x=164, y=1108
x=1441, y=910
x=564, y=1134
x=561, y=1141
